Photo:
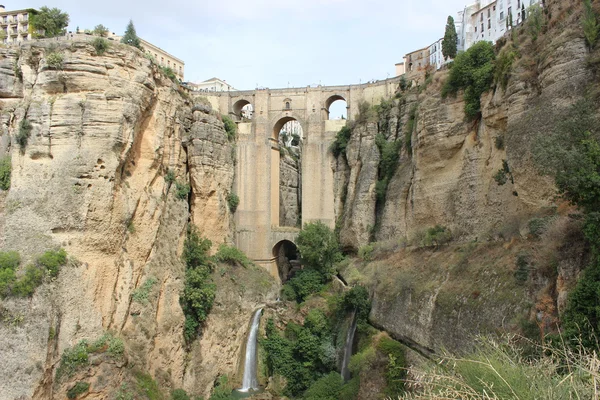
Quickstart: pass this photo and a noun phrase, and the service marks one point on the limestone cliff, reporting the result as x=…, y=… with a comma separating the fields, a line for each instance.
x=445, y=176
x=105, y=132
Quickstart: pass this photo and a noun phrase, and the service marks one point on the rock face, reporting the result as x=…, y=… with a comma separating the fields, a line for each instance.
x=106, y=130
x=446, y=177
x=290, y=191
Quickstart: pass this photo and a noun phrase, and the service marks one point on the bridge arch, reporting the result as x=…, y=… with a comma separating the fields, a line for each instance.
x=336, y=98
x=241, y=107
x=287, y=259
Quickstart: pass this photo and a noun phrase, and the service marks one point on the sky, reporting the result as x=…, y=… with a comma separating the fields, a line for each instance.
x=269, y=43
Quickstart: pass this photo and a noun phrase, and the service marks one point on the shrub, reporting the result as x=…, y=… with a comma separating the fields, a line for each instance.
x=25, y=129
x=52, y=260
x=26, y=285
x=79, y=388
x=503, y=174
x=100, y=30
x=589, y=23
x=499, y=142
x=5, y=172
x=141, y=294
x=388, y=163
x=358, y=299
x=130, y=37
x=148, y=386
x=410, y=128
x=328, y=387
x=230, y=128
x=222, y=390
x=169, y=73
x=170, y=176
x=340, y=143
x=305, y=283
x=199, y=291
x=472, y=71
x=179, y=394
x=232, y=255
x=100, y=45
x=72, y=359
x=403, y=83
x=9, y=262
x=233, y=201
x=366, y=252
x=535, y=21
x=504, y=63
x=182, y=190
x=395, y=371
x=54, y=60
x=437, y=236
x=522, y=271
x=318, y=247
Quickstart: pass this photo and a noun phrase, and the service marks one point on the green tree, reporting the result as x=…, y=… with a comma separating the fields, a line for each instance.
x=450, y=39
x=51, y=21
x=473, y=71
x=101, y=30
x=130, y=37
x=319, y=248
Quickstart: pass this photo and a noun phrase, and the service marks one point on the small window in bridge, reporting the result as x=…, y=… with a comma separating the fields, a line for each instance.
x=287, y=105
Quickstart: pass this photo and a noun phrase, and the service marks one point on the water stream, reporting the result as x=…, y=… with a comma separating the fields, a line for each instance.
x=348, y=348
x=250, y=380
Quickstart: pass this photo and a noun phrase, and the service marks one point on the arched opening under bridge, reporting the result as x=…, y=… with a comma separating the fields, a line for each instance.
x=287, y=260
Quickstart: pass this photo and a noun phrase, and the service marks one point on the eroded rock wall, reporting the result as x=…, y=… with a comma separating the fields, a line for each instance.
x=106, y=130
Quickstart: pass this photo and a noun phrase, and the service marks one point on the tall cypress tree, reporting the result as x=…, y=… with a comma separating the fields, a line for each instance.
x=450, y=38
x=130, y=37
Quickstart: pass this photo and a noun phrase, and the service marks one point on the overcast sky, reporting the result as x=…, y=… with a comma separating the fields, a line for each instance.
x=271, y=43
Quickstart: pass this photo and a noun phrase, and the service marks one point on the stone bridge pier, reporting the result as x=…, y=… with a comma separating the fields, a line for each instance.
x=258, y=232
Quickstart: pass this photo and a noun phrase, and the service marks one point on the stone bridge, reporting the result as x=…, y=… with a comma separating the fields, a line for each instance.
x=258, y=232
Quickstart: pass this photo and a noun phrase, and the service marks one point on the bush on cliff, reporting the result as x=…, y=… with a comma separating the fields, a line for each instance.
x=230, y=128
x=5, y=172
x=319, y=248
x=199, y=290
x=473, y=72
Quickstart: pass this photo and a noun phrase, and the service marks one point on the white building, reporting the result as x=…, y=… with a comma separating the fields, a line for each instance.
x=436, y=58
x=210, y=85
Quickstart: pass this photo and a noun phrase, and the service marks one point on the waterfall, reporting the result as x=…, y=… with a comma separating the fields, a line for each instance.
x=250, y=381
x=348, y=347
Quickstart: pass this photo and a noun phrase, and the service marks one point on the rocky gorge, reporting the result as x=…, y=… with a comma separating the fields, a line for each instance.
x=113, y=161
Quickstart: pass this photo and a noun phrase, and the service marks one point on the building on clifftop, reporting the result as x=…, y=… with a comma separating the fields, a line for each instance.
x=15, y=25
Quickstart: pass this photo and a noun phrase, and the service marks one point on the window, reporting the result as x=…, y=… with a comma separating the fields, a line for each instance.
x=481, y=16
x=518, y=3
x=482, y=30
x=501, y=15
x=5, y=19
x=494, y=8
x=489, y=24
x=287, y=105
x=489, y=13
x=475, y=28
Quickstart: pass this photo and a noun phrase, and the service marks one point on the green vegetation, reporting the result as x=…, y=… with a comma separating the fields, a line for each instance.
x=130, y=37
x=100, y=45
x=25, y=129
x=388, y=163
x=48, y=264
x=230, y=128
x=473, y=72
x=535, y=21
x=170, y=176
x=233, y=201
x=365, y=252
x=199, y=290
x=100, y=30
x=522, y=271
x=77, y=356
x=55, y=59
x=222, y=390
x=182, y=190
x=142, y=293
x=503, y=174
x=410, y=128
x=318, y=247
x=571, y=154
x=500, y=370
x=232, y=255
x=328, y=387
x=340, y=143
x=179, y=394
x=450, y=39
x=79, y=388
x=589, y=23
x=169, y=73
x=5, y=172
x=148, y=386
x=504, y=63
x=395, y=372
x=51, y=21
x=303, y=284
x=437, y=236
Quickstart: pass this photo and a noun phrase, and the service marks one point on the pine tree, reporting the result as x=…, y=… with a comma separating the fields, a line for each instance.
x=450, y=39
x=130, y=36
